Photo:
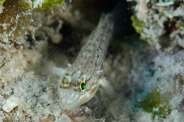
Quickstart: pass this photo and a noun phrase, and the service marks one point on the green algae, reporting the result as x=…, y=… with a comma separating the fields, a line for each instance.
x=153, y=103
x=180, y=25
x=49, y=3
x=137, y=24
x=1, y=2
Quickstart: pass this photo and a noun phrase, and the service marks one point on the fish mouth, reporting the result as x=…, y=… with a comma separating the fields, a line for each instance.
x=88, y=95
x=70, y=99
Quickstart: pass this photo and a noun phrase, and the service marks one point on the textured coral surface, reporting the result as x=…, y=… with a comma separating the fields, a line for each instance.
x=145, y=77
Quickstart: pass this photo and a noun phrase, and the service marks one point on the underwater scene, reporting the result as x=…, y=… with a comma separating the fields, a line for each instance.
x=91, y=61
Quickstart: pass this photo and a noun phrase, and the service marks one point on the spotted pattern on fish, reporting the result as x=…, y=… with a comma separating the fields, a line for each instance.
x=88, y=66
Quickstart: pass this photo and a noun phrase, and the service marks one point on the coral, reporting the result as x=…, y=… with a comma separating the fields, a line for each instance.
x=160, y=21
x=44, y=4
x=159, y=80
x=13, y=21
x=146, y=84
x=156, y=84
x=20, y=57
x=17, y=17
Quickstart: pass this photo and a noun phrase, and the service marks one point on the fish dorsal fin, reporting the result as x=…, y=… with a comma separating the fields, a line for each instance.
x=57, y=56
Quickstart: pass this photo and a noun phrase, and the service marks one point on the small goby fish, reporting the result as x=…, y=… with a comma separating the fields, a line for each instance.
x=81, y=80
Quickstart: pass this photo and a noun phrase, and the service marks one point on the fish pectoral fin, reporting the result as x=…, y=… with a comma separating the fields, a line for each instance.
x=106, y=86
x=56, y=70
x=58, y=56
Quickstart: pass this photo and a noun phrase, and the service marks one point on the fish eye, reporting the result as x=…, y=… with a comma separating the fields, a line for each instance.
x=82, y=85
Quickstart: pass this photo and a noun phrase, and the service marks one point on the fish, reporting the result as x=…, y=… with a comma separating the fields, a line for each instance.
x=81, y=80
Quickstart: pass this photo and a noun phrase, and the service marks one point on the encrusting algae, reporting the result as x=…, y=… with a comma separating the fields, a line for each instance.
x=14, y=20
x=17, y=17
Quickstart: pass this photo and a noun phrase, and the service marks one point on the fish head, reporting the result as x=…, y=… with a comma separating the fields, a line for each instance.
x=76, y=88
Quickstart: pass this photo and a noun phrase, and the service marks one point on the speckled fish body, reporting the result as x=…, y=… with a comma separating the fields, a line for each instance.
x=88, y=66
